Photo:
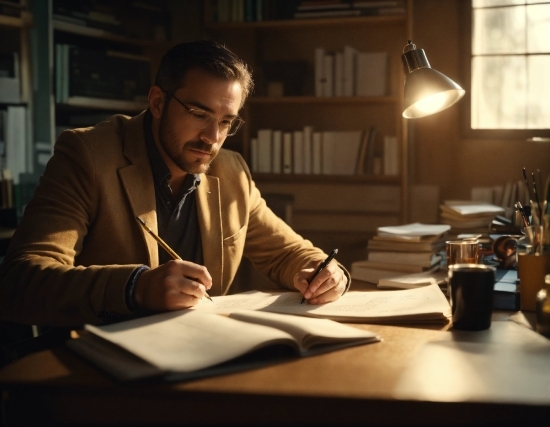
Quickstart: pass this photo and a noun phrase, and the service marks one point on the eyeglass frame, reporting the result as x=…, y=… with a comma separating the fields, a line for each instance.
x=191, y=110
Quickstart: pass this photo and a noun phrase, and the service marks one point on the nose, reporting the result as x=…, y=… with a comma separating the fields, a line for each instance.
x=211, y=133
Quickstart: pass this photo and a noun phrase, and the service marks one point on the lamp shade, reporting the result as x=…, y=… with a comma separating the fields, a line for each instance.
x=427, y=91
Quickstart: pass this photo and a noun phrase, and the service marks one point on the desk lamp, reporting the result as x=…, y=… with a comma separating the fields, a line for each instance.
x=427, y=91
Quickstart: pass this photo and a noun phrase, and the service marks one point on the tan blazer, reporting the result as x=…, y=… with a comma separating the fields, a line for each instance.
x=78, y=243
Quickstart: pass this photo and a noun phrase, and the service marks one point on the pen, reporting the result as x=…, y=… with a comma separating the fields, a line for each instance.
x=321, y=268
x=162, y=243
x=522, y=213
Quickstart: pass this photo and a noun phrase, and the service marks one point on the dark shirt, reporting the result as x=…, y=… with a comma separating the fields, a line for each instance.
x=178, y=222
x=177, y=219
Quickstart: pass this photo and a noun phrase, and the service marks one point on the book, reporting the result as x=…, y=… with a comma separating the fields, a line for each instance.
x=316, y=153
x=471, y=209
x=397, y=268
x=328, y=75
x=16, y=140
x=340, y=150
x=391, y=244
x=277, y=151
x=366, y=152
x=413, y=232
x=190, y=343
x=298, y=151
x=319, y=71
x=422, y=305
x=423, y=259
x=307, y=142
x=265, y=137
x=10, y=84
x=339, y=74
x=287, y=152
x=350, y=69
x=371, y=73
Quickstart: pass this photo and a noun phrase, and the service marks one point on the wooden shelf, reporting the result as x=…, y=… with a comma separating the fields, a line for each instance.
x=324, y=100
x=301, y=23
x=326, y=179
x=104, y=35
x=102, y=104
x=25, y=21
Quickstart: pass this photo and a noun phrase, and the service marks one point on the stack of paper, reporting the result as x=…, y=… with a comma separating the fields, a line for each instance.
x=469, y=216
x=401, y=250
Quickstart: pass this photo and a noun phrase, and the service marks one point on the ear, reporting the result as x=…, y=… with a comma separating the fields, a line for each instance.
x=156, y=101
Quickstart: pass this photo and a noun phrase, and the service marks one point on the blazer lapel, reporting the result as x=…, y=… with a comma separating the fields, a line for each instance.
x=137, y=181
x=209, y=210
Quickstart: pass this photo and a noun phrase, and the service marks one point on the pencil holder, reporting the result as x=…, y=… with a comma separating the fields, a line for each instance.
x=531, y=272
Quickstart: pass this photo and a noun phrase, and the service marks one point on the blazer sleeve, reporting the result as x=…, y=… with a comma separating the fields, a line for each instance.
x=40, y=282
x=272, y=245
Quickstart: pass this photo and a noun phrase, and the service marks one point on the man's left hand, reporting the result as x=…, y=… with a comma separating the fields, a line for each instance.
x=327, y=286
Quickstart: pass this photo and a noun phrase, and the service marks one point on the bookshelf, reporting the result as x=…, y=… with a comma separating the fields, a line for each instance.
x=59, y=34
x=325, y=206
x=15, y=108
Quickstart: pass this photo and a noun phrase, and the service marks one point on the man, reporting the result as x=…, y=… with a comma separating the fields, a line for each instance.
x=81, y=256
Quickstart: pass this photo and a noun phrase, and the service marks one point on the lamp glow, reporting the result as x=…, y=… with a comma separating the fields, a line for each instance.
x=427, y=91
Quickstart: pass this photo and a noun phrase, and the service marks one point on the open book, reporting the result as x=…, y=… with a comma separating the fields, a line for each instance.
x=425, y=304
x=189, y=344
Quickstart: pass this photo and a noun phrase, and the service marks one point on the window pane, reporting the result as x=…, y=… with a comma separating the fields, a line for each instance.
x=538, y=28
x=488, y=3
x=499, y=92
x=499, y=30
x=539, y=92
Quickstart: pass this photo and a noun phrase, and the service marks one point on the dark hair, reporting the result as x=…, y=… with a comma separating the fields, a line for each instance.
x=206, y=55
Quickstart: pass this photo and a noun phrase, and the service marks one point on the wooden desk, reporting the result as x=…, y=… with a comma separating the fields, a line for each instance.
x=354, y=386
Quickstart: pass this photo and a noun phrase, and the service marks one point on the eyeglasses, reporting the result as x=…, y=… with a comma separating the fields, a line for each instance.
x=201, y=119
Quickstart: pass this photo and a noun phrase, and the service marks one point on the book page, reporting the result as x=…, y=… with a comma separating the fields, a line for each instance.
x=421, y=303
x=187, y=340
x=308, y=332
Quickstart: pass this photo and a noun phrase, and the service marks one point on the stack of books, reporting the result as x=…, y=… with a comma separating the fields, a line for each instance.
x=401, y=250
x=469, y=216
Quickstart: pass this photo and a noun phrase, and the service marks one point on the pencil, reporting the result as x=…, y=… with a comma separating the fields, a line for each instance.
x=322, y=267
x=162, y=244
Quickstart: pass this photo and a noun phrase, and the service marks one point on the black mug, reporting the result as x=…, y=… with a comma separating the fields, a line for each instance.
x=471, y=287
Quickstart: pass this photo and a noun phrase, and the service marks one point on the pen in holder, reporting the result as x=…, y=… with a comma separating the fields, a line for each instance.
x=534, y=234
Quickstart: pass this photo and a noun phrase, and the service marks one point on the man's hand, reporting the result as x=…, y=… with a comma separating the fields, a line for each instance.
x=172, y=286
x=327, y=286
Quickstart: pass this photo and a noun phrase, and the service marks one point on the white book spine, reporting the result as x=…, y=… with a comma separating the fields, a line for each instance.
x=308, y=131
x=317, y=153
x=16, y=141
x=350, y=58
x=339, y=74
x=277, y=151
x=298, y=151
x=328, y=152
x=264, y=150
x=371, y=73
x=329, y=75
x=319, y=71
x=287, y=152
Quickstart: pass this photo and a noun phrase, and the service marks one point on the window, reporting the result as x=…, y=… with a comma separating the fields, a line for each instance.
x=509, y=65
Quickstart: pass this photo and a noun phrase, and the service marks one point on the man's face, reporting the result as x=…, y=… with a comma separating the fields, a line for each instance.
x=192, y=141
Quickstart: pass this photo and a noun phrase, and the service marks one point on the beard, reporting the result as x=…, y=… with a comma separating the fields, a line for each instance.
x=180, y=154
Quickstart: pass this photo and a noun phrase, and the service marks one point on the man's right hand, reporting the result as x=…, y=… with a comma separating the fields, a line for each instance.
x=172, y=286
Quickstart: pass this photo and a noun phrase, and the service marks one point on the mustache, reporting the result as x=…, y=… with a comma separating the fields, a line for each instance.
x=199, y=145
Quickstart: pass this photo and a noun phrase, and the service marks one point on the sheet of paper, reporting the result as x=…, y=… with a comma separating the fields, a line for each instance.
x=353, y=306
x=416, y=229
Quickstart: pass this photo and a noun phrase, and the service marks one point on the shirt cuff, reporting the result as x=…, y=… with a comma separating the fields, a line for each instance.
x=130, y=287
x=348, y=277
